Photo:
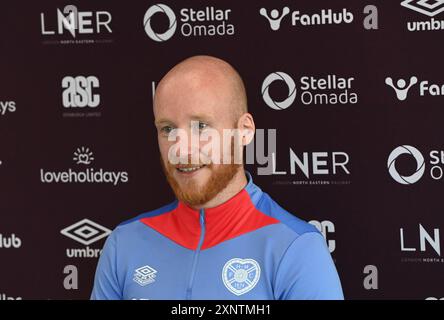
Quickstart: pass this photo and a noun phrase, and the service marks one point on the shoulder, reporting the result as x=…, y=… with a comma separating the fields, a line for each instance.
x=271, y=208
x=132, y=223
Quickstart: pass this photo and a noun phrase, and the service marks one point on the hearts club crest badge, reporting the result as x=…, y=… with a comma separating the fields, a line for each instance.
x=241, y=275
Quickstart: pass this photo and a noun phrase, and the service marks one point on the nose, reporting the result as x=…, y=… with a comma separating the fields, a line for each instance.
x=186, y=145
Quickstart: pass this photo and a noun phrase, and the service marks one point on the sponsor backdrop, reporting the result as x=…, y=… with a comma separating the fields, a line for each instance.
x=350, y=91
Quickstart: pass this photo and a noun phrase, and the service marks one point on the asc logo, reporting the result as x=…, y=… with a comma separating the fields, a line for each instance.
x=241, y=275
x=78, y=92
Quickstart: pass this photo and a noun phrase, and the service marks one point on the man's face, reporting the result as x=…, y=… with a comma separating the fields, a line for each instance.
x=179, y=106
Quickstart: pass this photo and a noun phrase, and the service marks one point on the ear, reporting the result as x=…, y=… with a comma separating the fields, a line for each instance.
x=247, y=127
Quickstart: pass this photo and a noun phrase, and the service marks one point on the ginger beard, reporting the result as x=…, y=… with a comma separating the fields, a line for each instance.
x=193, y=193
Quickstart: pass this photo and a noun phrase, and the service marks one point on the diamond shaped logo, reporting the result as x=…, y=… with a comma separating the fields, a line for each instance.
x=428, y=7
x=145, y=275
x=86, y=232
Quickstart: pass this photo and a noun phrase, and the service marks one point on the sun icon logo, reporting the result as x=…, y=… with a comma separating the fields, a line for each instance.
x=83, y=155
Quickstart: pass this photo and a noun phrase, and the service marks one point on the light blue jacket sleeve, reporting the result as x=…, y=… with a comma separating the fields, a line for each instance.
x=106, y=284
x=307, y=271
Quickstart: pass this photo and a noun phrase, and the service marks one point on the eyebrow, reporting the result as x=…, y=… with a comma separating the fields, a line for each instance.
x=196, y=117
x=201, y=117
x=161, y=122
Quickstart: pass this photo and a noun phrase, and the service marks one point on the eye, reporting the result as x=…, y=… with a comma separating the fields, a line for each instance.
x=202, y=125
x=166, y=130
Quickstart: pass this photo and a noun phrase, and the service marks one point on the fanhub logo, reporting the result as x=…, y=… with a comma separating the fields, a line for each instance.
x=85, y=232
x=208, y=21
x=425, y=88
x=429, y=8
x=324, y=17
x=314, y=90
x=436, y=161
x=328, y=16
x=71, y=21
x=83, y=156
x=401, y=87
x=274, y=18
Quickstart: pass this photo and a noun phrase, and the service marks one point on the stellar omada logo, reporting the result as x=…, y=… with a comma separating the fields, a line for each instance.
x=190, y=22
x=330, y=89
x=432, y=166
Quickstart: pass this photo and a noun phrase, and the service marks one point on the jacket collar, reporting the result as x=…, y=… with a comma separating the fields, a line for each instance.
x=251, y=191
x=203, y=229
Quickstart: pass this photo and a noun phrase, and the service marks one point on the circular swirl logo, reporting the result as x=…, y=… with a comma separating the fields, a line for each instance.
x=160, y=37
x=420, y=165
x=279, y=105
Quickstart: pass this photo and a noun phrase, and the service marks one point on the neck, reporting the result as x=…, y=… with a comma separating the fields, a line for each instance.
x=236, y=184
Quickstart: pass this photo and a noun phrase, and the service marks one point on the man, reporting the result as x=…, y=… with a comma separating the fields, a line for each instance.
x=223, y=238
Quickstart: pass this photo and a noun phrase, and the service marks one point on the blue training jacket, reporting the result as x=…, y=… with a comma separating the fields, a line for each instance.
x=246, y=248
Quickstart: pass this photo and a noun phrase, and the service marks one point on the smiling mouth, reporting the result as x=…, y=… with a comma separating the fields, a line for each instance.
x=189, y=169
